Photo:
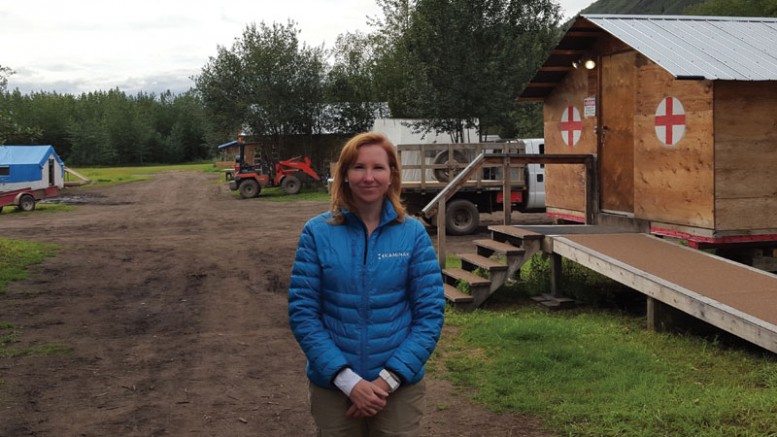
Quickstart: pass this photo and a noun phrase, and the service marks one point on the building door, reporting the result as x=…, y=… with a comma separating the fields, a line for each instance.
x=616, y=140
x=52, y=176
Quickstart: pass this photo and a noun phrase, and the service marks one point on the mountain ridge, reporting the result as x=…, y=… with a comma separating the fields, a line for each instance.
x=640, y=7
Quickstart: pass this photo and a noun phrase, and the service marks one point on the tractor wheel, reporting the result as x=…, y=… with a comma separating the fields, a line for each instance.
x=461, y=217
x=447, y=174
x=291, y=184
x=249, y=188
x=27, y=203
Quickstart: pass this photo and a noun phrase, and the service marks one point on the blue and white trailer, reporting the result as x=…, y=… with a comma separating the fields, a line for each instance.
x=29, y=174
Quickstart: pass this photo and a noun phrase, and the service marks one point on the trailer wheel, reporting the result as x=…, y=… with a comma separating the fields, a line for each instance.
x=249, y=188
x=27, y=203
x=291, y=184
x=444, y=174
x=461, y=217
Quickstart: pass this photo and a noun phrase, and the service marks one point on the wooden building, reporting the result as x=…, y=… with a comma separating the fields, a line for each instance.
x=681, y=113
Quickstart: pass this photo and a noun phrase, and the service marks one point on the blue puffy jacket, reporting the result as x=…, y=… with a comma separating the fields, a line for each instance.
x=366, y=304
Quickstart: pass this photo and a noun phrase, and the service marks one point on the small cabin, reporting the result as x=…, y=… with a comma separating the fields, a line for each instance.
x=30, y=168
x=680, y=114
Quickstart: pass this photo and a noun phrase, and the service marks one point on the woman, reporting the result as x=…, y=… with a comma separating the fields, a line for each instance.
x=366, y=300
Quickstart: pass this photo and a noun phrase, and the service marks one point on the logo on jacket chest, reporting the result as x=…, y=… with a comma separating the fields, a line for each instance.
x=390, y=255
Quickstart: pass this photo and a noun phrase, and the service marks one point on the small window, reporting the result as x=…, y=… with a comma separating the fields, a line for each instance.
x=5, y=170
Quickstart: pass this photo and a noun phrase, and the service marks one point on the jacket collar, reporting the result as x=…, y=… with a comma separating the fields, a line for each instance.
x=387, y=214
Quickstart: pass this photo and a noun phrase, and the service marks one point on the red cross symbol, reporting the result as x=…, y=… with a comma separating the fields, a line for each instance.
x=571, y=126
x=670, y=121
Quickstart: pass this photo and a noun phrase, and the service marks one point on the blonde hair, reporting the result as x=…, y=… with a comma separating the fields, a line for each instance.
x=342, y=197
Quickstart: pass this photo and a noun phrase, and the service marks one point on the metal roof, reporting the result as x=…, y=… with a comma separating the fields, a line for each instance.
x=37, y=155
x=688, y=47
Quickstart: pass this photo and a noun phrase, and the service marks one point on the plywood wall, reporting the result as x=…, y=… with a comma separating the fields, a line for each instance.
x=745, y=155
x=673, y=184
x=565, y=184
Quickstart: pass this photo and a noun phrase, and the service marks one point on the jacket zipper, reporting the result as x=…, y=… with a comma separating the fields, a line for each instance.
x=365, y=298
x=366, y=246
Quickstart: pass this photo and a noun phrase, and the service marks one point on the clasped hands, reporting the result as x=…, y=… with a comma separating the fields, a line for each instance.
x=368, y=398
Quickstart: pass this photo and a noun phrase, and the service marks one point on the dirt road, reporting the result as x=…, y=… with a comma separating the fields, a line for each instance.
x=169, y=296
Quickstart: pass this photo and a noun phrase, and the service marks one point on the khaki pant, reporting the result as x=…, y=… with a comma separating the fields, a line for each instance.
x=401, y=417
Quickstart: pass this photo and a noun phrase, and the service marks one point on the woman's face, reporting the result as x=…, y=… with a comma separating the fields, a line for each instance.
x=369, y=176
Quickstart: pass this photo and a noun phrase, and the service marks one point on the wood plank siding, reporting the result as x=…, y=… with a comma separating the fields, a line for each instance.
x=745, y=155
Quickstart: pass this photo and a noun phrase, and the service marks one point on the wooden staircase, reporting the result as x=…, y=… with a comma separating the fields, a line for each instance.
x=494, y=262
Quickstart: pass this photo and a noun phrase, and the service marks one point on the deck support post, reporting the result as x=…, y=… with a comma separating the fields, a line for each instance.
x=507, y=203
x=660, y=316
x=555, y=275
x=441, y=220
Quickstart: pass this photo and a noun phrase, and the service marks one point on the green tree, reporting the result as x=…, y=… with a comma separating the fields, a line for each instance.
x=219, y=86
x=738, y=8
x=267, y=81
x=50, y=113
x=11, y=131
x=476, y=56
x=4, y=73
x=458, y=64
x=88, y=133
x=350, y=88
x=398, y=73
x=185, y=138
x=106, y=128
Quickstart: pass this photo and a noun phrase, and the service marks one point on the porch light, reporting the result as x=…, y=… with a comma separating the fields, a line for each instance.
x=587, y=63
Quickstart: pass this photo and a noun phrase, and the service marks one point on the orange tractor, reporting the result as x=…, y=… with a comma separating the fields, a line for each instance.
x=289, y=174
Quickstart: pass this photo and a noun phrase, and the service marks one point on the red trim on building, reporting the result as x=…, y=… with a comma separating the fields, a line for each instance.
x=567, y=217
x=696, y=241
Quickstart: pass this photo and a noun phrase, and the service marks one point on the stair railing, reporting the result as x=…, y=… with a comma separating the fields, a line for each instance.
x=437, y=204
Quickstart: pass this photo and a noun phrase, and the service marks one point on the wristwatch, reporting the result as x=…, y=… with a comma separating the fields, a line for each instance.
x=390, y=380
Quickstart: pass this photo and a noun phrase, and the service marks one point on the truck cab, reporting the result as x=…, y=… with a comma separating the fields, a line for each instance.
x=535, y=176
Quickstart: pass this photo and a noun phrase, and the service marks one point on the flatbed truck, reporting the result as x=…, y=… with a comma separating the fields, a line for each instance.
x=427, y=169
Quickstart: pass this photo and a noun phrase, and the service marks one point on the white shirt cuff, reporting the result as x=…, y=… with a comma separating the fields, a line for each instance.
x=346, y=380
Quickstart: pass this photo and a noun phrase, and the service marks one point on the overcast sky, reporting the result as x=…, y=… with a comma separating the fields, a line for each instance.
x=154, y=45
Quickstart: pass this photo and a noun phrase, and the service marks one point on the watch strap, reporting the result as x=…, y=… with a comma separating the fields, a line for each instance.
x=390, y=379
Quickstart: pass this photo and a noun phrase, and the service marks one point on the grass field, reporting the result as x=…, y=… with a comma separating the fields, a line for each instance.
x=16, y=256
x=595, y=373
x=105, y=176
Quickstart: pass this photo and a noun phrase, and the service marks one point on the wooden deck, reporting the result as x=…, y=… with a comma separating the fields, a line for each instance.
x=729, y=295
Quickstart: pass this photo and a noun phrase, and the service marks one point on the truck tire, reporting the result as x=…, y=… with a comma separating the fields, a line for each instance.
x=249, y=188
x=27, y=203
x=461, y=217
x=444, y=174
x=291, y=184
